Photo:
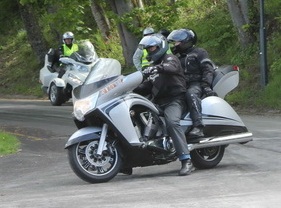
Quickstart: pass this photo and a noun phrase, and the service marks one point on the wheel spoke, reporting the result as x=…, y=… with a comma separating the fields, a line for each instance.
x=86, y=164
x=81, y=151
x=100, y=170
x=96, y=164
x=209, y=153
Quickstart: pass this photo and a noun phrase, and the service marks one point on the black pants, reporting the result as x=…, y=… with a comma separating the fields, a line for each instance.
x=173, y=112
x=193, y=98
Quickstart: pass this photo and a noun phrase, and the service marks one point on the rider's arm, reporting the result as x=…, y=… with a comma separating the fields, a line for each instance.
x=61, y=52
x=170, y=65
x=137, y=57
x=144, y=88
x=207, y=68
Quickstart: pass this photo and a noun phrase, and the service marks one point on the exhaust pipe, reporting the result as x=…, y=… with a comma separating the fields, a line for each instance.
x=221, y=140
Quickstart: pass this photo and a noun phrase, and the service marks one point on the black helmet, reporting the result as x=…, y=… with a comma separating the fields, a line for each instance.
x=157, y=40
x=164, y=32
x=148, y=31
x=182, y=39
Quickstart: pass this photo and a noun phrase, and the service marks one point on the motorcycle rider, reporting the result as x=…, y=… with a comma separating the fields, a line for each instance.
x=198, y=70
x=168, y=88
x=139, y=57
x=67, y=48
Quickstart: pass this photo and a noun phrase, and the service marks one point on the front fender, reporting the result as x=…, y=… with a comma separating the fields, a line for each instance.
x=59, y=82
x=84, y=134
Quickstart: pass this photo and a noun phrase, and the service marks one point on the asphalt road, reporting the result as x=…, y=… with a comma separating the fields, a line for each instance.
x=39, y=175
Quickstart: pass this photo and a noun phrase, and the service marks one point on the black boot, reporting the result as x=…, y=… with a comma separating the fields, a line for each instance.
x=196, y=132
x=186, y=167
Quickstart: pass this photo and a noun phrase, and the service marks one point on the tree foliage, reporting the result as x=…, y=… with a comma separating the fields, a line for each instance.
x=115, y=31
x=126, y=19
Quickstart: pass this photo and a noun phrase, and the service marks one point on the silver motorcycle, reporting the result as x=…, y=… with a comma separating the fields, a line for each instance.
x=77, y=68
x=119, y=129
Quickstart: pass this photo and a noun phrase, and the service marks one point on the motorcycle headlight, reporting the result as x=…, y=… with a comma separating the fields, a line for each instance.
x=84, y=106
x=75, y=79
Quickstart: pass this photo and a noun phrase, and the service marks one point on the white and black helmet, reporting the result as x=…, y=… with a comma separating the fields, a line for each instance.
x=157, y=40
x=67, y=35
x=148, y=31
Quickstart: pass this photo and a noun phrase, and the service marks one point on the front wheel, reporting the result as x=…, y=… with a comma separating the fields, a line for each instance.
x=206, y=158
x=91, y=167
x=56, y=95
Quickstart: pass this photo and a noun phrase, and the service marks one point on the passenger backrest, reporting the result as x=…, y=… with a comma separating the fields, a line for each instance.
x=226, y=78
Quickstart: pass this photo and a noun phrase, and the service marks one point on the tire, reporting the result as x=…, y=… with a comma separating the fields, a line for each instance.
x=56, y=95
x=207, y=158
x=91, y=168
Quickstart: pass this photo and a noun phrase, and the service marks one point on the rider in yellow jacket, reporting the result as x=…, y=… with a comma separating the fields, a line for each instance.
x=140, y=56
x=67, y=48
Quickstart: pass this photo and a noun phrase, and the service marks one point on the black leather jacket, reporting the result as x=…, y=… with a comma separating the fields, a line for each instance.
x=197, y=66
x=166, y=85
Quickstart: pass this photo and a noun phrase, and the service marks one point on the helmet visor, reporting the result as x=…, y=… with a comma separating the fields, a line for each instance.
x=149, y=41
x=177, y=36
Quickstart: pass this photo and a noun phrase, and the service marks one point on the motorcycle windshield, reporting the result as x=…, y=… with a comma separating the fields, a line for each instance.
x=103, y=72
x=86, y=52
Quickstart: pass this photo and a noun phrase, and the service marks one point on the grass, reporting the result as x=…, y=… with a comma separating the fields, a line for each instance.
x=9, y=144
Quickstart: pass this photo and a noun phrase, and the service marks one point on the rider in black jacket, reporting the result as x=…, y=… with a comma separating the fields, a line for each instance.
x=168, y=88
x=198, y=70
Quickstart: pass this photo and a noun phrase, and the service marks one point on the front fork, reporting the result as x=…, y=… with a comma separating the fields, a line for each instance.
x=102, y=139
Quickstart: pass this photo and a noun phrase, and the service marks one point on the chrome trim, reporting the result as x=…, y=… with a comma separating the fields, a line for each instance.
x=222, y=140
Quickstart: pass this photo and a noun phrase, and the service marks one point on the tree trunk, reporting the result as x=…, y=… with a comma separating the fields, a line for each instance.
x=138, y=3
x=239, y=11
x=34, y=34
x=128, y=40
x=100, y=18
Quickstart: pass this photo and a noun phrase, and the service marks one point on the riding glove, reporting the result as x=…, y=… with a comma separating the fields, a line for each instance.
x=209, y=92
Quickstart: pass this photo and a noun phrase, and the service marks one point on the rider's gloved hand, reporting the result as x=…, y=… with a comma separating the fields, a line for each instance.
x=146, y=71
x=150, y=70
x=209, y=92
x=159, y=68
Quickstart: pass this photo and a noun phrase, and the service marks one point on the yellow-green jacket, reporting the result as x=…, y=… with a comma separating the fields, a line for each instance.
x=68, y=51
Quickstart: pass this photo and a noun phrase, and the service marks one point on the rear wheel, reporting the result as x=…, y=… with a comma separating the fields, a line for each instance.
x=91, y=167
x=206, y=158
x=56, y=95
